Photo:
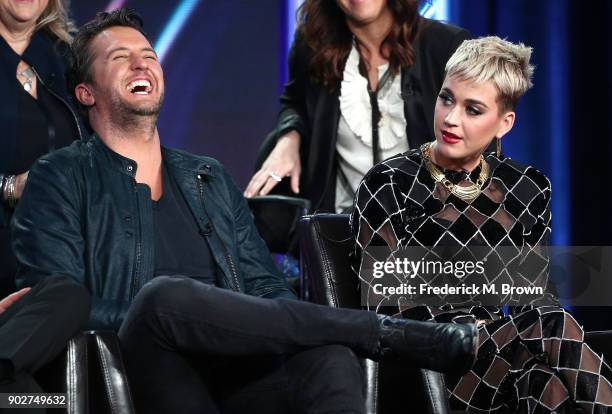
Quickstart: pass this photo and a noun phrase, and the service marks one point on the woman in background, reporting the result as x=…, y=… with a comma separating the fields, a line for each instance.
x=448, y=195
x=36, y=114
x=363, y=78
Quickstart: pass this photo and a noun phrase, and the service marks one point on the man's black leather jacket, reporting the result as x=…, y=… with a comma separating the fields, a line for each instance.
x=83, y=215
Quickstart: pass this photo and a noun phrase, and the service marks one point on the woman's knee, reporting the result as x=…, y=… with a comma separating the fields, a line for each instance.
x=557, y=322
x=541, y=380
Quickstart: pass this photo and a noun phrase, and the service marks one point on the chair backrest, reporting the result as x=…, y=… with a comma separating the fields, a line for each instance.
x=276, y=218
x=326, y=245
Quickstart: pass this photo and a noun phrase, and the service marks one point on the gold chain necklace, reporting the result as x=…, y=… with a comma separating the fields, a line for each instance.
x=467, y=193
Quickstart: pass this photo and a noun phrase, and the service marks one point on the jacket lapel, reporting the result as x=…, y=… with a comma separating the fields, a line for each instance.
x=412, y=94
x=322, y=151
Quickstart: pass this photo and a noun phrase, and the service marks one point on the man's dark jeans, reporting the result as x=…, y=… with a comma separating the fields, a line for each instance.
x=194, y=348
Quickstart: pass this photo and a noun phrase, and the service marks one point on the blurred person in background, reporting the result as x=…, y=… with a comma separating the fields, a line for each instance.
x=36, y=113
x=363, y=79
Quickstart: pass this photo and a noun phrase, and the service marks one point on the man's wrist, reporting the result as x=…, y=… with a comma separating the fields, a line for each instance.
x=8, y=189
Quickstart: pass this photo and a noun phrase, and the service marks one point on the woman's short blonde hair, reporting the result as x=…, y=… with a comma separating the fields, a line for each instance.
x=504, y=63
x=55, y=19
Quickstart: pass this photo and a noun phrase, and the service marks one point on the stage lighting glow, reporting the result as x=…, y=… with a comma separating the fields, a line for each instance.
x=559, y=150
x=288, y=24
x=174, y=26
x=435, y=9
x=114, y=5
x=291, y=10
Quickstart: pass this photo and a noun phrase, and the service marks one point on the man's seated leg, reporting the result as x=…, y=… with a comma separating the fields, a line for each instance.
x=162, y=378
x=194, y=317
x=175, y=320
x=37, y=327
x=187, y=319
x=326, y=379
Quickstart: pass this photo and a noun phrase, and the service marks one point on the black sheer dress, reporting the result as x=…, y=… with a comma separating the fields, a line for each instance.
x=532, y=358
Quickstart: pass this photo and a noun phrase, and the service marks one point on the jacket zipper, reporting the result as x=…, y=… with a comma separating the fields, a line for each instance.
x=228, y=257
x=138, y=252
x=76, y=119
x=137, y=272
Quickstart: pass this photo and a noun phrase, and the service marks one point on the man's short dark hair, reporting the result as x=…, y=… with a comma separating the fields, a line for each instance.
x=80, y=65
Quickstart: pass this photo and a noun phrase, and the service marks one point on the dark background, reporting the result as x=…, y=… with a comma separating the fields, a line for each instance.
x=225, y=66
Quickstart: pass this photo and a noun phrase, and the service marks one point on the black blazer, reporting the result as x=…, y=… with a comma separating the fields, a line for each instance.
x=313, y=111
x=48, y=56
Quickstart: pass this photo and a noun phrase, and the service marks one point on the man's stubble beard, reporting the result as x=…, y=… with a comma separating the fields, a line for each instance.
x=127, y=116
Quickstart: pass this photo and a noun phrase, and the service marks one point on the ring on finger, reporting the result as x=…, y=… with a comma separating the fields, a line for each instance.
x=275, y=176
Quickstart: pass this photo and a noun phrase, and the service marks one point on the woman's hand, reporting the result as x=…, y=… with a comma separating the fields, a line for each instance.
x=13, y=188
x=283, y=161
x=20, y=182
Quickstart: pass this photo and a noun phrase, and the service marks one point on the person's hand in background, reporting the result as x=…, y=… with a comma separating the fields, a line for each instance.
x=283, y=161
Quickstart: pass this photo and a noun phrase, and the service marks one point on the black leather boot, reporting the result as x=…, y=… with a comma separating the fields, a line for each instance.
x=442, y=347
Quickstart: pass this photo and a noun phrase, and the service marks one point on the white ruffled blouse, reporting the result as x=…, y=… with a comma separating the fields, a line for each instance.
x=354, y=142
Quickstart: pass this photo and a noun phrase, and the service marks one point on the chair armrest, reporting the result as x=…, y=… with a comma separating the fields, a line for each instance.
x=107, y=372
x=301, y=203
x=68, y=373
x=435, y=387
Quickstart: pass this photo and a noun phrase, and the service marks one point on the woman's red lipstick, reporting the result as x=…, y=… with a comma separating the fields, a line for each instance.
x=450, y=138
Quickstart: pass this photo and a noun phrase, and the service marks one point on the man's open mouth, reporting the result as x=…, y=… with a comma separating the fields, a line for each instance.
x=140, y=87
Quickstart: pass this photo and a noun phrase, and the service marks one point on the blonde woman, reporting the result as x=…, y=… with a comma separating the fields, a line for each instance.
x=451, y=193
x=36, y=114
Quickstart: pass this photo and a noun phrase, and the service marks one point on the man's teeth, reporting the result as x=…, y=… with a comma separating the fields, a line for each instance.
x=140, y=84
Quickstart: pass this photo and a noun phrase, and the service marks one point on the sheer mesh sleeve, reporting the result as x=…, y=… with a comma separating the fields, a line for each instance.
x=534, y=269
x=399, y=205
x=379, y=223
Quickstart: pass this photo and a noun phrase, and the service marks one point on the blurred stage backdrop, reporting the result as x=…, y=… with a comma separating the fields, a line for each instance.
x=225, y=63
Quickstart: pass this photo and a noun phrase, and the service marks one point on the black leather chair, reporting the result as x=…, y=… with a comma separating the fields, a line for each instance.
x=68, y=373
x=277, y=219
x=91, y=372
x=326, y=243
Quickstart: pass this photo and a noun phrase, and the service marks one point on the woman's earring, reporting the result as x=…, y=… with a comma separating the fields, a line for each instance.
x=498, y=146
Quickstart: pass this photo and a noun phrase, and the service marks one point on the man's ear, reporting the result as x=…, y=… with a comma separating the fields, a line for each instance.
x=84, y=94
x=506, y=124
